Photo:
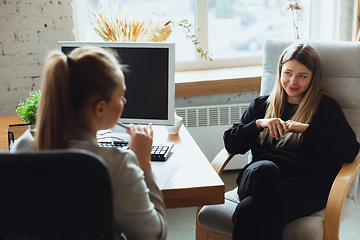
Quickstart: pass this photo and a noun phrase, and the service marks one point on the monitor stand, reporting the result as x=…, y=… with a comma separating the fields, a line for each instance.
x=119, y=133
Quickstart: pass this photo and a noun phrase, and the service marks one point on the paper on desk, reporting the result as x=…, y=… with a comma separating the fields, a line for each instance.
x=164, y=171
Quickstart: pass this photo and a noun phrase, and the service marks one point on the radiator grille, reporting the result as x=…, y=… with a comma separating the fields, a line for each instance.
x=216, y=115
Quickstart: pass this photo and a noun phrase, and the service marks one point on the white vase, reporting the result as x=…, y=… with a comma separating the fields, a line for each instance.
x=177, y=124
x=32, y=127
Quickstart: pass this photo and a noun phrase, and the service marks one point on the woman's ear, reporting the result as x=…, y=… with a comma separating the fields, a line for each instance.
x=100, y=108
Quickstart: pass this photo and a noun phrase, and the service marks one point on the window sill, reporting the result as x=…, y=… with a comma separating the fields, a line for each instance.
x=217, y=81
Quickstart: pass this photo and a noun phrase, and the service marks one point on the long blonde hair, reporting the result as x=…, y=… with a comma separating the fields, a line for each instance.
x=306, y=55
x=69, y=84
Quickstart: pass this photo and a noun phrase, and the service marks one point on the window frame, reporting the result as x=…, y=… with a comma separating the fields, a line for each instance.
x=201, y=13
x=201, y=22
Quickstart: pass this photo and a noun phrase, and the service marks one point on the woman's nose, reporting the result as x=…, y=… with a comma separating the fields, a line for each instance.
x=292, y=79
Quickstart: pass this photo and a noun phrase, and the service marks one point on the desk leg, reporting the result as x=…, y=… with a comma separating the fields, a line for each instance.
x=206, y=234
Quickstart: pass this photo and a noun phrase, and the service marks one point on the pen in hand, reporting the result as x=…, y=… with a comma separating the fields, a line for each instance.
x=123, y=125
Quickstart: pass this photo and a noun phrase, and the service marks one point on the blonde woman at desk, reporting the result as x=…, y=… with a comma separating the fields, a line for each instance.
x=81, y=94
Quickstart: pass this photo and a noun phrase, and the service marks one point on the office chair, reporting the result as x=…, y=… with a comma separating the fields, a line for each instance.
x=341, y=79
x=59, y=194
x=15, y=131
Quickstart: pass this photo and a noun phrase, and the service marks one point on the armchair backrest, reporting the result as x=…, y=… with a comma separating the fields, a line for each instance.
x=59, y=194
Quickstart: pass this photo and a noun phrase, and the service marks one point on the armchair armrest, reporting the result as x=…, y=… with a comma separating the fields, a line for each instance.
x=337, y=198
x=221, y=160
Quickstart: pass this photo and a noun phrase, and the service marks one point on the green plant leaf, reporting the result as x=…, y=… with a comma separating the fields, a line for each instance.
x=27, y=109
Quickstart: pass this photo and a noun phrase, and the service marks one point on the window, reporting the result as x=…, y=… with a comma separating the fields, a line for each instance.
x=232, y=31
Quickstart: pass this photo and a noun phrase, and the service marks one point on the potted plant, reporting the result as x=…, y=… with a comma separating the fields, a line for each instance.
x=27, y=110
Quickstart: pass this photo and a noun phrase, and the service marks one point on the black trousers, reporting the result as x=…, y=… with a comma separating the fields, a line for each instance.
x=268, y=202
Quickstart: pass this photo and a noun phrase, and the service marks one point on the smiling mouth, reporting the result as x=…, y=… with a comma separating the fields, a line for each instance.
x=292, y=89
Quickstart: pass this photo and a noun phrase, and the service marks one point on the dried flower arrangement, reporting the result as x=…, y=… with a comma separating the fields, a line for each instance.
x=190, y=33
x=295, y=7
x=156, y=29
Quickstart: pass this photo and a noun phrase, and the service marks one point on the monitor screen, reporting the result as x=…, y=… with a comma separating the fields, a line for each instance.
x=149, y=80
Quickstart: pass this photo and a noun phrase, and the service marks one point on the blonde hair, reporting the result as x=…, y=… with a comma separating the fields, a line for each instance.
x=69, y=84
x=306, y=55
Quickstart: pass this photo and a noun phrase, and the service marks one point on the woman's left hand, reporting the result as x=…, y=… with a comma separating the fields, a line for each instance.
x=295, y=127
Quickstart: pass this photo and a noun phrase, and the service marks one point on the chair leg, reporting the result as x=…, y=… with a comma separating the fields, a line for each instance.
x=206, y=234
x=201, y=232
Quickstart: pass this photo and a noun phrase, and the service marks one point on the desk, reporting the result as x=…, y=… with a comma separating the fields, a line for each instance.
x=5, y=121
x=195, y=183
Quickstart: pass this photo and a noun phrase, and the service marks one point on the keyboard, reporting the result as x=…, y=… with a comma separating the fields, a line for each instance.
x=159, y=152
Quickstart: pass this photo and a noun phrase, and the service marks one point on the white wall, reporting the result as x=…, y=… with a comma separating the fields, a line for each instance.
x=28, y=30
x=345, y=21
x=332, y=19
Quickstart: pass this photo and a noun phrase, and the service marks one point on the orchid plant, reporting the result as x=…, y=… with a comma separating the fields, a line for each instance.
x=295, y=7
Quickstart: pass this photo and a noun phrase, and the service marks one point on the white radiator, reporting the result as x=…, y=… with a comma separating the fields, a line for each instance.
x=207, y=124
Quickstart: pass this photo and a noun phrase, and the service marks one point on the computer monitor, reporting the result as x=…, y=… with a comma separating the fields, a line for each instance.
x=150, y=79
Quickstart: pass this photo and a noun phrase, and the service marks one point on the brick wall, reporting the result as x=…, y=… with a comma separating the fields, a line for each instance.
x=29, y=29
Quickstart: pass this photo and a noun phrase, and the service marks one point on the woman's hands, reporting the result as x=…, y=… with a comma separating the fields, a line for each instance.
x=141, y=144
x=295, y=127
x=278, y=128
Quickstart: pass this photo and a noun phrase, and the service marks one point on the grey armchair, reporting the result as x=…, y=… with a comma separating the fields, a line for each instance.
x=341, y=78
